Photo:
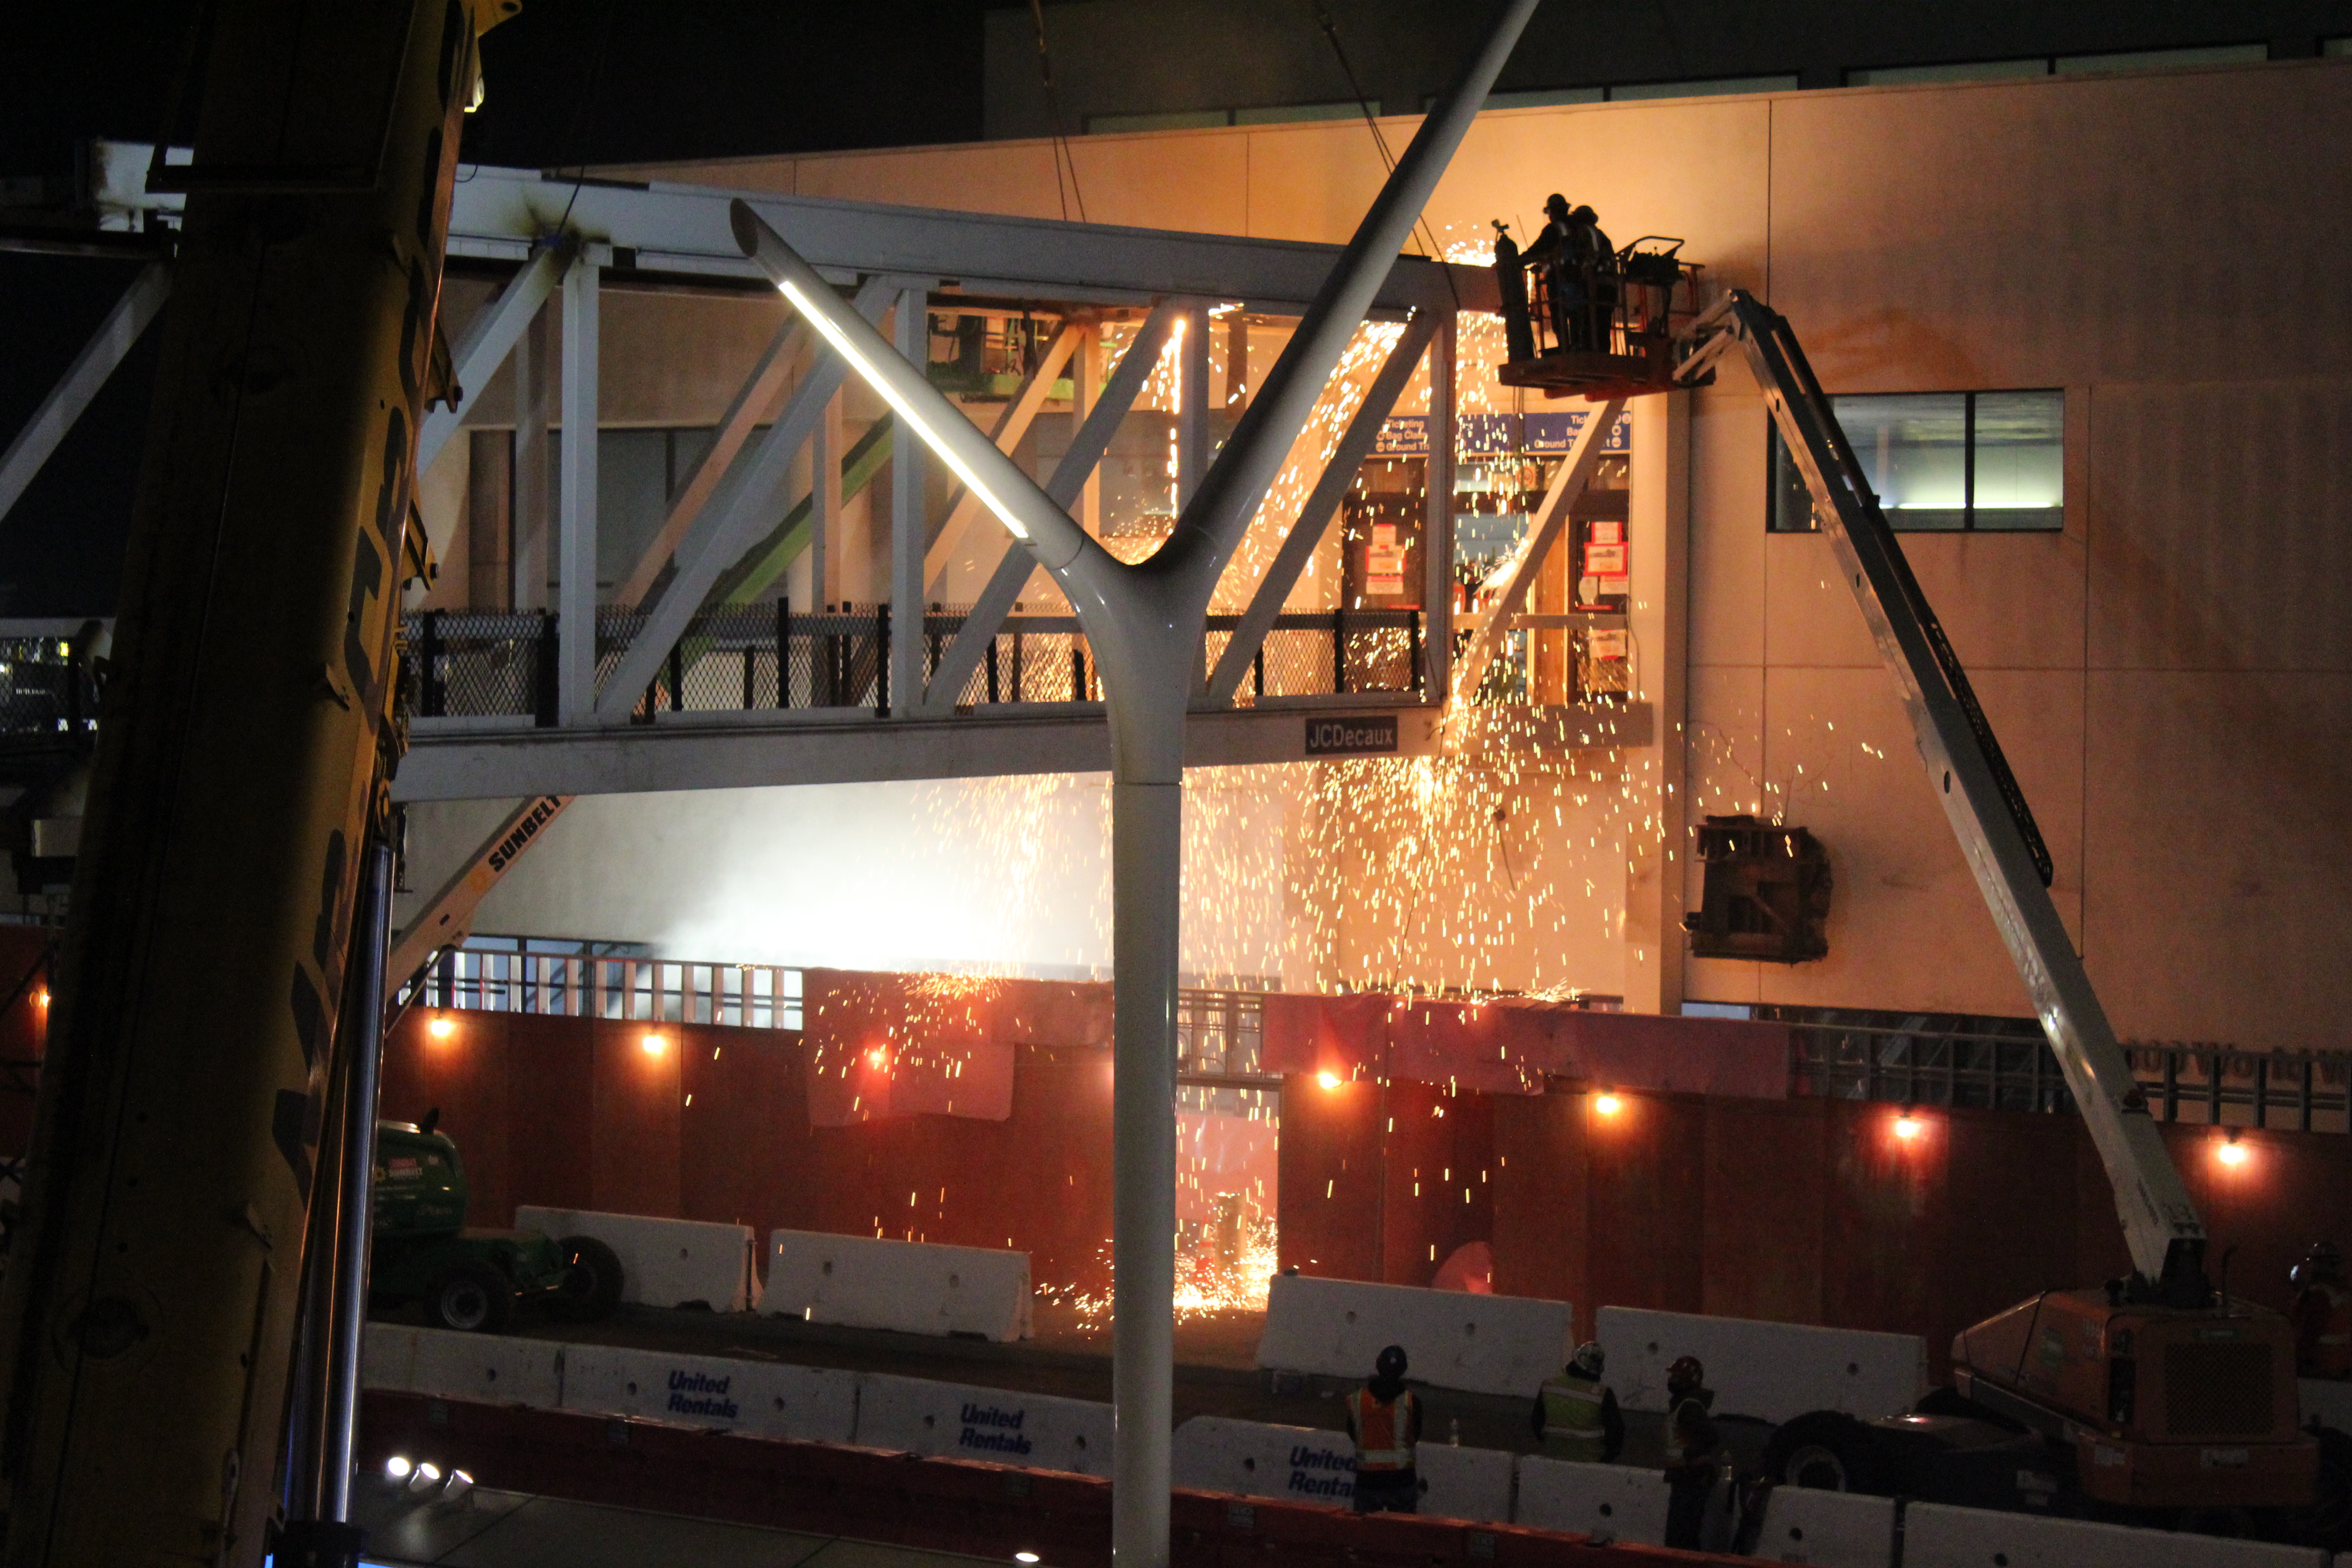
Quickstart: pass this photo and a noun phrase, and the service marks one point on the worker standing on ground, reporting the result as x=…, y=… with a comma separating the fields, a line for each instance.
x=1576, y=1413
x=1694, y=1451
x=2322, y=1314
x=1384, y=1419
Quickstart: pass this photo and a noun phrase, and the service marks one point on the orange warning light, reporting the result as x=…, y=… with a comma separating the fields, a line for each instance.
x=1608, y=1104
x=2232, y=1154
x=652, y=1045
x=442, y=1027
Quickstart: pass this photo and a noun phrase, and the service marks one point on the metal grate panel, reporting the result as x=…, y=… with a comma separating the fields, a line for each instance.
x=2216, y=1389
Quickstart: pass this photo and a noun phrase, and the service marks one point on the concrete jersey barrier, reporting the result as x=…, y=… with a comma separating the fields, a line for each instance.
x=1608, y=1502
x=488, y=1368
x=1938, y=1536
x=914, y=1287
x=767, y=1399
x=1829, y=1529
x=1484, y=1344
x=1770, y=1371
x=1003, y=1426
x=1315, y=1465
x=664, y=1262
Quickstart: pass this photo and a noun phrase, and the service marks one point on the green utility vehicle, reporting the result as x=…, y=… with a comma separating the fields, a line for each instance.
x=470, y=1280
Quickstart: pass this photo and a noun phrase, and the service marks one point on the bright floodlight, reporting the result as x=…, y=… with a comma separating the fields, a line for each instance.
x=1024, y=1557
x=1908, y=1127
x=442, y=1028
x=905, y=409
x=2231, y=1153
x=425, y=1478
x=652, y=1045
x=1608, y=1104
x=1328, y=1079
x=397, y=1468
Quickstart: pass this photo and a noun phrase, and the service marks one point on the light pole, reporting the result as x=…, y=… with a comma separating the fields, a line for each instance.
x=1145, y=625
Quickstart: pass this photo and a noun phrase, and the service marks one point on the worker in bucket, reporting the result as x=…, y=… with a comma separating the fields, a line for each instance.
x=1694, y=1451
x=2322, y=1314
x=1574, y=255
x=1576, y=1413
x=1384, y=1419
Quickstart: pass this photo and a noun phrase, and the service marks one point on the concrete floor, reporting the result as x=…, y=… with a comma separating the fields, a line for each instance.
x=490, y=1528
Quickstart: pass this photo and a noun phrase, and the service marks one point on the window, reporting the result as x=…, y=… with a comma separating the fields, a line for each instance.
x=1945, y=462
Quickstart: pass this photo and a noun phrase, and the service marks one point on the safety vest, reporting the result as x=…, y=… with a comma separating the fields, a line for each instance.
x=1571, y=1413
x=1381, y=1426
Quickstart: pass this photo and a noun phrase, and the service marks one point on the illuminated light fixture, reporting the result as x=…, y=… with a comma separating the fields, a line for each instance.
x=458, y=1484
x=1328, y=1079
x=1908, y=1127
x=397, y=1468
x=873, y=378
x=1608, y=1104
x=2232, y=1152
x=423, y=1478
x=1024, y=1557
x=43, y=996
x=877, y=1057
x=442, y=1028
x=653, y=1045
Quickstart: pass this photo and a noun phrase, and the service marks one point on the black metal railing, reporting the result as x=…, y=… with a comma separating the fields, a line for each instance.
x=772, y=657
x=2006, y=1064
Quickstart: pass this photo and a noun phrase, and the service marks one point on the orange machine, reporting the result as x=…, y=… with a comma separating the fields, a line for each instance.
x=2163, y=1407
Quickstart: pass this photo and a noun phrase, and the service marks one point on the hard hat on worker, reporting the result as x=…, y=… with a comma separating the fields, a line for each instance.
x=1392, y=1362
x=1685, y=1375
x=1556, y=206
x=1587, y=1361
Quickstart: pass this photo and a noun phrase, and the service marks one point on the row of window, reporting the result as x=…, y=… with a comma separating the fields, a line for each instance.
x=1943, y=462
x=1874, y=76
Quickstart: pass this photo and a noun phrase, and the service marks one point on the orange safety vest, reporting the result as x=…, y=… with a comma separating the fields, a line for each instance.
x=1381, y=1426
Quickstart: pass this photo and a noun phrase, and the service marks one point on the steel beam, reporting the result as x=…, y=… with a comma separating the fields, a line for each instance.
x=575, y=679
x=533, y=472
x=1011, y=424
x=1144, y=626
x=1314, y=518
x=491, y=337
x=1574, y=473
x=1437, y=512
x=1076, y=470
x=754, y=401
x=910, y=335
x=78, y=387
x=1192, y=403
x=741, y=511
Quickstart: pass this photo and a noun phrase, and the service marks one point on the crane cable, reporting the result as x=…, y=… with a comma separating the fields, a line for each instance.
x=1061, y=150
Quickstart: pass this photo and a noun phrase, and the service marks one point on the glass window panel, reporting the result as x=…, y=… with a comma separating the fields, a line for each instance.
x=1707, y=88
x=2165, y=60
x=1914, y=452
x=2021, y=461
x=1791, y=502
x=1965, y=70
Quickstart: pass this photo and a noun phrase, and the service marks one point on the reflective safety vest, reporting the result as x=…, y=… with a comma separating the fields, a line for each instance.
x=1571, y=1413
x=1381, y=1428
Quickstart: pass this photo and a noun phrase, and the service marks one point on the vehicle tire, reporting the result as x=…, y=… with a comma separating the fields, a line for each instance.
x=1827, y=1450
x=591, y=1280
x=470, y=1297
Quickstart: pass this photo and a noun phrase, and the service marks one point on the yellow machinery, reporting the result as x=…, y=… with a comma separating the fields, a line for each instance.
x=150, y=1300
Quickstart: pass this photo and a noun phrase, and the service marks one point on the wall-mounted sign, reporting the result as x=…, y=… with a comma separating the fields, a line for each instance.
x=1375, y=734
x=1540, y=434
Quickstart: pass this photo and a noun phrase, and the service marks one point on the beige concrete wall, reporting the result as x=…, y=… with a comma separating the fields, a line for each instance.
x=2171, y=675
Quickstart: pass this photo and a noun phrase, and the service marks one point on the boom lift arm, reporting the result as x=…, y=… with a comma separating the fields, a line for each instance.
x=1972, y=780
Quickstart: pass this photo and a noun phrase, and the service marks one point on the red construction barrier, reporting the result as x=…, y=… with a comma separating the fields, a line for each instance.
x=960, y=1505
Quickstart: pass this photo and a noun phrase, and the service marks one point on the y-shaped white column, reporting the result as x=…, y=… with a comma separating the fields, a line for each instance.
x=1145, y=625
